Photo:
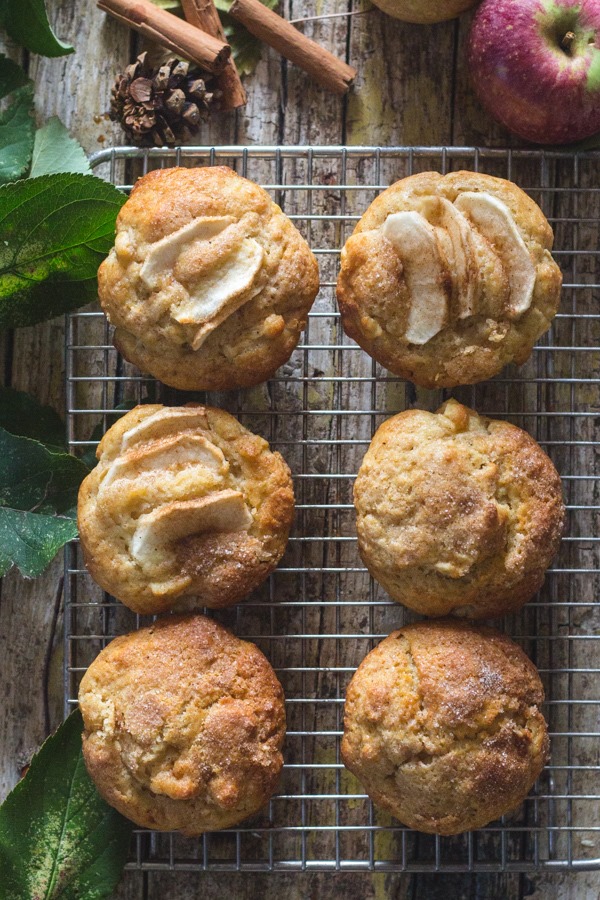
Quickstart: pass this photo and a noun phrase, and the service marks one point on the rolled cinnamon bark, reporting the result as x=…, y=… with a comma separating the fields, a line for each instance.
x=322, y=65
x=203, y=14
x=163, y=27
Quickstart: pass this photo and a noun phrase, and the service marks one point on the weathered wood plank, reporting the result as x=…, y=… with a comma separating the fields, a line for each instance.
x=77, y=87
x=400, y=98
x=404, y=88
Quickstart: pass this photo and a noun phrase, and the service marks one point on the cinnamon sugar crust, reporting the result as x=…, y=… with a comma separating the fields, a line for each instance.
x=184, y=724
x=442, y=726
x=456, y=513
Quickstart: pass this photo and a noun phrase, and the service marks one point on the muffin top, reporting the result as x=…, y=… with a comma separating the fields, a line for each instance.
x=457, y=513
x=442, y=726
x=184, y=724
x=446, y=279
x=209, y=283
x=184, y=503
x=425, y=12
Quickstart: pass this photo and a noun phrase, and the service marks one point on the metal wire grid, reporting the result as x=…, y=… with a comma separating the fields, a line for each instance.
x=319, y=614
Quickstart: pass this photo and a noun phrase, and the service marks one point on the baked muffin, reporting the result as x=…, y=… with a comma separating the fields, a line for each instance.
x=185, y=508
x=424, y=12
x=209, y=284
x=446, y=279
x=184, y=724
x=442, y=726
x=457, y=513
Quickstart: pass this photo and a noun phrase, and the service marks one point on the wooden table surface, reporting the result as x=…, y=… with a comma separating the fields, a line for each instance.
x=412, y=89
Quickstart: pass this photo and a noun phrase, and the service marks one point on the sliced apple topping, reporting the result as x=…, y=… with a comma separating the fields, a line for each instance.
x=228, y=286
x=417, y=246
x=176, y=451
x=163, y=254
x=494, y=221
x=224, y=281
x=224, y=511
x=462, y=264
x=163, y=423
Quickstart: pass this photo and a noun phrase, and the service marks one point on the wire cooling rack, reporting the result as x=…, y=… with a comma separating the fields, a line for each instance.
x=320, y=613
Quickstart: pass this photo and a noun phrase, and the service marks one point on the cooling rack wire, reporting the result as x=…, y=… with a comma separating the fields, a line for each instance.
x=320, y=613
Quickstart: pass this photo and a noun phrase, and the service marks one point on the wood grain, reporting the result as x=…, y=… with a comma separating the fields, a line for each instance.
x=411, y=88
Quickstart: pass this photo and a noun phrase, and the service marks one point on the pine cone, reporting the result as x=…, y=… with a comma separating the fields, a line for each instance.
x=161, y=105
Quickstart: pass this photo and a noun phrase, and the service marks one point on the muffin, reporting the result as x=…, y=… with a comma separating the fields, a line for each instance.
x=209, y=284
x=446, y=279
x=442, y=726
x=184, y=724
x=185, y=508
x=424, y=12
x=457, y=514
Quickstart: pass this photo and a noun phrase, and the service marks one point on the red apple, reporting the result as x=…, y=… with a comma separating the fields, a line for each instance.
x=535, y=65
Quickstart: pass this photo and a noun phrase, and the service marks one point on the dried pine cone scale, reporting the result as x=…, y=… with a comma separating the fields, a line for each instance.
x=161, y=105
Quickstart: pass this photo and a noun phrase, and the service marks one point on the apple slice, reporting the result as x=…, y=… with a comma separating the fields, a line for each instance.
x=224, y=511
x=163, y=254
x=179, y=450
x=224, y=290
x=462, y=265
x=163, y=423
x=494, y=221
x=415, y=241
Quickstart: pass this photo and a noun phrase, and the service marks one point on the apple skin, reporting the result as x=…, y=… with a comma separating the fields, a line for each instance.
x=424, y=12
x=524, y=78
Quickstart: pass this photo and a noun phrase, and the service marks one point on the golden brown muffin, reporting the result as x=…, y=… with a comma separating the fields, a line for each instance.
x=184, y=503
x=424, y=12
x=457, y=513
x=209, y=284
x=442, y=726
x=446, y=279
x=184, y=724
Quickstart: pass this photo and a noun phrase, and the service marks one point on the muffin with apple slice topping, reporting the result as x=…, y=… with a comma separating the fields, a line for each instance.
x=447, y=279
x=209, y=283
x=185, y=508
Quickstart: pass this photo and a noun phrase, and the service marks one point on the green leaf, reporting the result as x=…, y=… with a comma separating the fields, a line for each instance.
x=38, y=495
x=27, y=23
x=54, y=150
x=23, y=415
x=30, y=541
x=12, y=76
x=54, y=233
x=17, y=129
x=16, y=122
x=36, y=479
x=58, y=838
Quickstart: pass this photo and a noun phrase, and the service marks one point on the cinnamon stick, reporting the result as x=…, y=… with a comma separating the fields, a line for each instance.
x=203, y=14
x=266, y=25
x=164, y=28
